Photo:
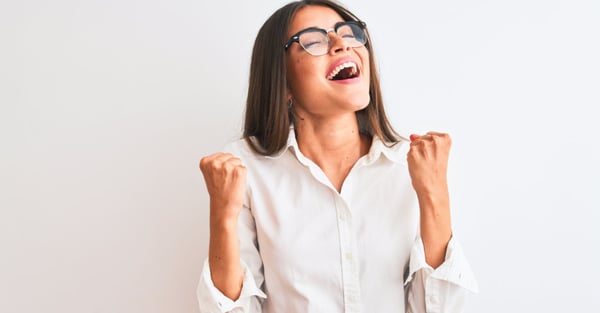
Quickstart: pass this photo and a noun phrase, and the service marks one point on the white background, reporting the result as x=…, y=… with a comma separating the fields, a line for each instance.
x=107, y=106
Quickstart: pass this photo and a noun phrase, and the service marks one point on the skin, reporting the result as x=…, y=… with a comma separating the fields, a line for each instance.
x=225, y=179
x=326, y=126
x=327, y=133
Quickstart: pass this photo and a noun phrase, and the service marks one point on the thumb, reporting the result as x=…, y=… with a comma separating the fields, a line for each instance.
x=414, y=137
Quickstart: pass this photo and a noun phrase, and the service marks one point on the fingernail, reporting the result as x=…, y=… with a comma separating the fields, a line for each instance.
x=414, y=137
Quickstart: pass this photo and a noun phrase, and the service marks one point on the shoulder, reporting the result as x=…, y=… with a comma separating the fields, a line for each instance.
x=243, y=149
x=240, y=148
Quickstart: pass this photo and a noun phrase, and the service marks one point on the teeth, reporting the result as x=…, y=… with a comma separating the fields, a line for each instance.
x=341, y=67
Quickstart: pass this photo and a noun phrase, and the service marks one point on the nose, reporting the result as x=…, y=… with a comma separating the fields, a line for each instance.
x=337, y=44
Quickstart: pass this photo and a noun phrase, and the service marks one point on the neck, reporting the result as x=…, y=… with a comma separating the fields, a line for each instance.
x=334, y=144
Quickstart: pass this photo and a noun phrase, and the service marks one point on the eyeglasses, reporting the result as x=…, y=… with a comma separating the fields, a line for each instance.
x=315, y=40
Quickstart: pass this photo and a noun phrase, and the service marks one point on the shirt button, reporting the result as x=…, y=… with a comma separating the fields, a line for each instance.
x=433, y=299
x=349, y=256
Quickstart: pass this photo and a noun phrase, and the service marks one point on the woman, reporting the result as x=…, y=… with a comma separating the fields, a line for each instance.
x=322, y=207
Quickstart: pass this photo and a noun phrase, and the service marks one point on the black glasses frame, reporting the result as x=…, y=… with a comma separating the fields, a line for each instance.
x=296, y=36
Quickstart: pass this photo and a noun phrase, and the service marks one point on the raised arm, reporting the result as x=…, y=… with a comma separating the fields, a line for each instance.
x=427, y=164
x=225, y=178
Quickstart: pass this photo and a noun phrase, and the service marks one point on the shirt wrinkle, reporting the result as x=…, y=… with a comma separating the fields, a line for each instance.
x=324, y=251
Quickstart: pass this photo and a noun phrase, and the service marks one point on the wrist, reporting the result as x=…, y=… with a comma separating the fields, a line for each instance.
x=223, y=224
x=434, y=201
x=224, y=215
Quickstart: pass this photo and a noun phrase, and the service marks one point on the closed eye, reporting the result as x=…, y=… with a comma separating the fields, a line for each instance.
x=311, y=43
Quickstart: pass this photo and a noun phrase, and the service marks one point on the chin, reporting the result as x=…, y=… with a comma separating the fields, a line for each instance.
x=361, y=104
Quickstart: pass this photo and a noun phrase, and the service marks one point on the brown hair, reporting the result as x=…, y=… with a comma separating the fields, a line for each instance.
x=268, y=118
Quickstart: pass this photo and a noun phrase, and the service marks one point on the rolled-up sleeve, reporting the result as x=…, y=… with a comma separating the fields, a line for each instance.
x=443, y=289
x=214, y=301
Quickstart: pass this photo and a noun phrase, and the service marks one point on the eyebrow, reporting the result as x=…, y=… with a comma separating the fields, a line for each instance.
x=318, y=27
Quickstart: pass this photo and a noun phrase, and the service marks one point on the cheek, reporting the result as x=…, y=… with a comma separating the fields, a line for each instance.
x=292, y=73
x=366, y=78
x=367, y=71
x=303, y=74
x=363, y=54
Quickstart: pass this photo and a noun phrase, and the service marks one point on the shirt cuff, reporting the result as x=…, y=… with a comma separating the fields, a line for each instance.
x=455, y=269
x=208, y=292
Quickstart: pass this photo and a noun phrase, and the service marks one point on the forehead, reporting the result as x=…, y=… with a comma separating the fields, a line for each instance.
x=314, y=16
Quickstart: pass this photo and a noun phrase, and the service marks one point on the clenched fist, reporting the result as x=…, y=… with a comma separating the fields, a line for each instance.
x=428, y=163
x=225, y=178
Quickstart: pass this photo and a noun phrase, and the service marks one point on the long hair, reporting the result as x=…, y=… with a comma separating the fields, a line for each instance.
x=268, y=117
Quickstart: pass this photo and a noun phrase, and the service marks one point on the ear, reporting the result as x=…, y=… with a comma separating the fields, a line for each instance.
x=288, y=93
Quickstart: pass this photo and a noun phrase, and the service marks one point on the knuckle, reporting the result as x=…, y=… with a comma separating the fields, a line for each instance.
x=227, y=167
x=205, y=163
x=215, y=164
x=240, y=170
x=414, y=153
x=448, y=139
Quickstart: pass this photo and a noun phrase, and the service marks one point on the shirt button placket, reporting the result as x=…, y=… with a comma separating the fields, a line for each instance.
x=350, y=279
x=432, y=302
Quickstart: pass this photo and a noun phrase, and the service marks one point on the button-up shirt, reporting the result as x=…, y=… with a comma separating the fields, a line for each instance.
x=305, y=247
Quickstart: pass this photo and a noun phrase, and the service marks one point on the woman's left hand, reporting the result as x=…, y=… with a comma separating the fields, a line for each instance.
x=428, y=163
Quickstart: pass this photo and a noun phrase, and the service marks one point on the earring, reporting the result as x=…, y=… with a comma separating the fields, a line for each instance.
x=290, y=103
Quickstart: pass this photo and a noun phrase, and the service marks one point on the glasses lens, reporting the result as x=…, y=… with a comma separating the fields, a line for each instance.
x=314, y=42
x=353, y=34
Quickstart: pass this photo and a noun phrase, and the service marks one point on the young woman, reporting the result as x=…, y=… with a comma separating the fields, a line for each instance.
x=322, y=207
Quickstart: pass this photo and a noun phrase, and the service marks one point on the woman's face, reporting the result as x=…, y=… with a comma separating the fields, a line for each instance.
x=311, y=85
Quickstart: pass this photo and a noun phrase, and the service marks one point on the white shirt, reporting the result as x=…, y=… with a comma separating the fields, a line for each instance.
x=307, y=248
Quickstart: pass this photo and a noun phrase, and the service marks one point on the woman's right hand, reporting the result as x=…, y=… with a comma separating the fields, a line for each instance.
x=225, y=178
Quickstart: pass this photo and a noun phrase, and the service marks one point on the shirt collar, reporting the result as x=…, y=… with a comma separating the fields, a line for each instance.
x=291, y=144
x=393, y=152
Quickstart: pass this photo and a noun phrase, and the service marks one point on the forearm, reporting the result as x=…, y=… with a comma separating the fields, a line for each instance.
x=436, y=229
x=224, y=257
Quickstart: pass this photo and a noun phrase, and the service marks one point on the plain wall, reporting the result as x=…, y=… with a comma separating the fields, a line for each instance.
x=107, y=106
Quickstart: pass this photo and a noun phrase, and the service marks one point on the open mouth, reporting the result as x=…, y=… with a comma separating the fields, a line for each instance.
x=343, y=71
